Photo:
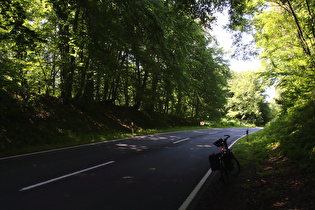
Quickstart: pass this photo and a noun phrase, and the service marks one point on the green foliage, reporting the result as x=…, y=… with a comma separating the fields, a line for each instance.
x=146, y=54
x=46, y=122
x=289, y=135
x=247, y=102
x=285, y=34
x=254, y=152
x=225, y=123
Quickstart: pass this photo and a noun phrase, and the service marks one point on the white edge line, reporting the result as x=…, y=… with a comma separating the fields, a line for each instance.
x=82, y=145
x=236, y=141
x=47, y=151
x=195, y=191
x=192, y=195
x=181, y=140
x=59, y=149
x=65, y=176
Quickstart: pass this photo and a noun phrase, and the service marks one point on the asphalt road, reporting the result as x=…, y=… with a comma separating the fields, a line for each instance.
x=146, y=172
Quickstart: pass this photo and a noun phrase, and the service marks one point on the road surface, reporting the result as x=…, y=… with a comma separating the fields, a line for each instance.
x=156, y=171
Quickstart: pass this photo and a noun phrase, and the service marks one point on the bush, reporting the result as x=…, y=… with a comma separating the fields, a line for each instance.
x=291, y=135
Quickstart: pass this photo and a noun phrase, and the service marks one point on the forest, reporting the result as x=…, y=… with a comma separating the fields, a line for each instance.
x=150, y=55
x=154, y=57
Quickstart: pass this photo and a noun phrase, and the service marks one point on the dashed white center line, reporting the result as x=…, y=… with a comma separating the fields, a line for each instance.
x=179, y=141
x=65, y=176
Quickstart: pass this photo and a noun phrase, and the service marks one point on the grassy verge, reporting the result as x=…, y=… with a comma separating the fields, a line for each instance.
x=270, y=178
x=73, y=139
x=47, y=123
x=67, y=137
x=277, y=166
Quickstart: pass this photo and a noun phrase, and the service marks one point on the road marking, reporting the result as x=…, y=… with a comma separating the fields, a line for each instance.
x=179, y=141
x=65, y=176
x=236, y=141
x=51, y=150
x=193, y=194
x=195, y=191
x=60, y=149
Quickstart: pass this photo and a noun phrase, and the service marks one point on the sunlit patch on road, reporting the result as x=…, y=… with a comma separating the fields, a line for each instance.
x=203, y=145
x=138, y=148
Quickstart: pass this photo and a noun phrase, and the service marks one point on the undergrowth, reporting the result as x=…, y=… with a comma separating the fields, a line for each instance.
x=291, y=136
x=47, y=123
x=278, y=163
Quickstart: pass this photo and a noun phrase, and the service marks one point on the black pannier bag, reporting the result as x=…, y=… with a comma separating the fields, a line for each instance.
x=214, y=161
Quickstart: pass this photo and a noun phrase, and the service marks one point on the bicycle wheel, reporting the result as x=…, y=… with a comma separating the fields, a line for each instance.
x=235, y=166
x=224, y=172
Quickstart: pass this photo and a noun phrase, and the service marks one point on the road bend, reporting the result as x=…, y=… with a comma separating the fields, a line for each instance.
x=156, y=171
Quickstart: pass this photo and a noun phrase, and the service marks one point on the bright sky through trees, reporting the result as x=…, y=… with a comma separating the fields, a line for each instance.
x=225, y=40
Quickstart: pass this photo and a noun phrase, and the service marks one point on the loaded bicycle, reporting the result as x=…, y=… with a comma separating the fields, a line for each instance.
x=224, y=161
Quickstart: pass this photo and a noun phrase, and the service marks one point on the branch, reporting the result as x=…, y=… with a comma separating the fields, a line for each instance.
x=311, y=19
x=305, y=47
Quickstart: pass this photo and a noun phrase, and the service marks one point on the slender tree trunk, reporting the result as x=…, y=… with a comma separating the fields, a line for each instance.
x=313, y=32
x=137, y=88
x=179, y=103
x=89, y=87
x=53, y=82
x=300, y=32
x=68, y=60
x=65, y=59
x=97, y=87
x=168, y=92
x=312, y=22
x=154, y=93
x=83, y=77
x=115, y=88
x=141, y=85
x=126, y=91
x=126, y=84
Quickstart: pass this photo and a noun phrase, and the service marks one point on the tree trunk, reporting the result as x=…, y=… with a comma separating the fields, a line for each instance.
x=304, y=43
x=64, y=48
x=89, y=87
x=141, y=85
x=300, y=32
x=154, y=93
x=68, y=60
x=312, y=22
x=83, y=77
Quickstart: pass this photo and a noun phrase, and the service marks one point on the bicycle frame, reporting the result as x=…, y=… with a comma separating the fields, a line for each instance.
x=225, y=160
x=222, y=143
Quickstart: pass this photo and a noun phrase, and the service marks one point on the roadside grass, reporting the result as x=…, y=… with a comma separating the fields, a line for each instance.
x=44, y=123
x=277, y=166
x=287, y=138
x=66, y=137
x=224, y=122
x=274, y=176
x=256, y=150
x=73, y=139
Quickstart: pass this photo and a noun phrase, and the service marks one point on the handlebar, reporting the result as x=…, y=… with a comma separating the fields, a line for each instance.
x=222, y=142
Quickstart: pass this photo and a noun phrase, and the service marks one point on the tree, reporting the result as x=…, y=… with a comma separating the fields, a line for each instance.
x=17, y=40
x=286, y=35
x=247, y=102
x=150, y=55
